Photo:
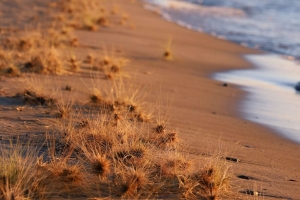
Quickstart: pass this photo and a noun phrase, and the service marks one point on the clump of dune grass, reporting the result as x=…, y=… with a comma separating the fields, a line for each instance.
x=212, y=181
x=162, y=136
x=8, y=65
x=160, y=128
x=135, y=162
x=68, y=88
x=63, y=170
x=74, y=42
x=132, y=181
x=35, y=38
x=103, y=21
x=98, y=99
x=96, y=96
x=87, y=15
x=139, y=150
x=168, y=54
x=45, y=61
x=60, y=35
x=39, y=58
x=123, y=101
x=175, y=164
x=109, y=150
x=111, y=64
x=35, y=50
x=19, y=176
x=132, y=153
x=100, y=166
x=128, y=99
x=64, y=110
x=24, y=42
x=167, y=139
x=13, y=70
x=30, y=97
x=90, y=59
x=60, y=171
x=74, y=63
x=37, y=90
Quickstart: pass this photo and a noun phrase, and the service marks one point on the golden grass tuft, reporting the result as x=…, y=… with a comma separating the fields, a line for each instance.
x=74, y=63
x=88, y=15
x=68, y=88
x=160, y=128
x=133, y=181
x=19, y=179
x=62, y=113
x=100, y=166
x=60, y=172
x=30, y=97
x=167, y=140
x=64, y=110
x=45, y=61
x=143, y=116
x=111, y=64
x=168, y=54
x=36, y=50
x=95, y=96
x=25, y=42
x=176, y=165
x=8, y=64
x=139, y=150
x=12, y=70
x=103, y=21
x=71, y=174
x=74, y=42
x=122, y=101
x=90, y=59
x=213, y=180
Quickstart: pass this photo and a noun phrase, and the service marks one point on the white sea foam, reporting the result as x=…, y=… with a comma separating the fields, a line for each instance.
x=271, y=99
x=173, y=4
x=167, y=17
x=203, y=10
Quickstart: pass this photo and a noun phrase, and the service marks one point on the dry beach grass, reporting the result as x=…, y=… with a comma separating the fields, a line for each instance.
x=91, y=109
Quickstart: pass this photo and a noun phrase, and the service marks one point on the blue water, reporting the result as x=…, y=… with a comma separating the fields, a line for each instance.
x=270, y=25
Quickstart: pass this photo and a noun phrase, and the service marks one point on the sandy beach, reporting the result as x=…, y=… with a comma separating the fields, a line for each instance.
x=202, y=110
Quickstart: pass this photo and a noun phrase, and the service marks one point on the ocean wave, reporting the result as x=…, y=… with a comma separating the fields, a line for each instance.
x=200, y=9
x=222, y=11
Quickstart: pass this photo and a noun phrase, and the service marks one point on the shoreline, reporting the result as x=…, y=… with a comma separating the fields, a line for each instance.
x=202, y=111
x=261, y=147
x=271, y=98
x=259, y=63
x=254, y=65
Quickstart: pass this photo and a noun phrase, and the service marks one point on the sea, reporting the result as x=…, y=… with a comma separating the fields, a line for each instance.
x=272, y=26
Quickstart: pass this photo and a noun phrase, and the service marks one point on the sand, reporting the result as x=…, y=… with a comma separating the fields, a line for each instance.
x=205, y=113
